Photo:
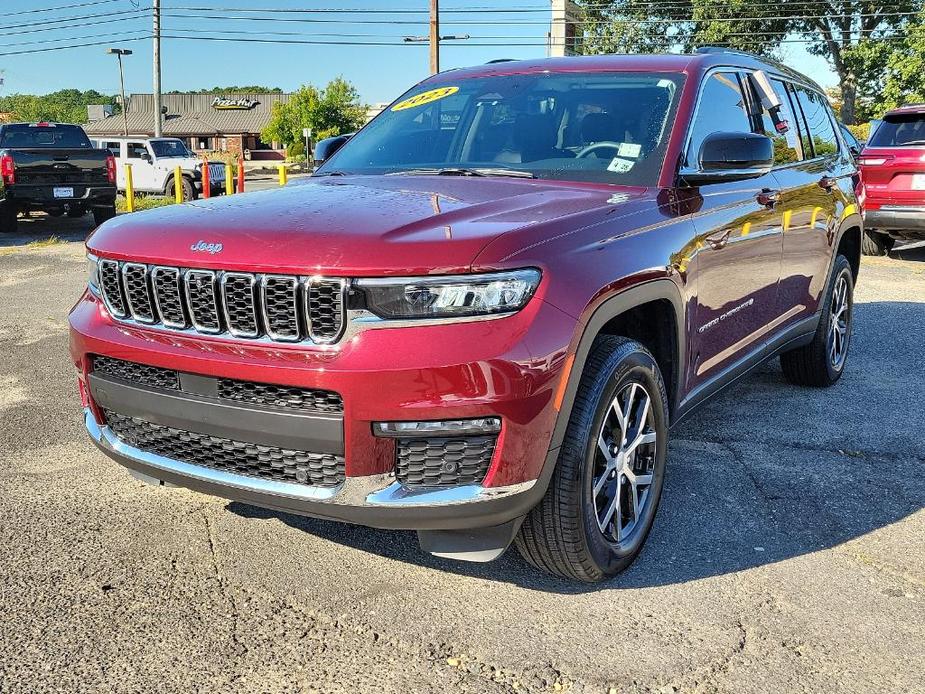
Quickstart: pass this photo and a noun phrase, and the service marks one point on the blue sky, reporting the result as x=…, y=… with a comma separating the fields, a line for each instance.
x=379, y=72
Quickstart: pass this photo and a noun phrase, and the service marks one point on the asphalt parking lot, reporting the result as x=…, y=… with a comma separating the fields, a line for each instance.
x=788, y=554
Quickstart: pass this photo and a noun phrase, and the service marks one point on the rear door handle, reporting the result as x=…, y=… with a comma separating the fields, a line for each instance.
x=827, y=183
x=768, y=198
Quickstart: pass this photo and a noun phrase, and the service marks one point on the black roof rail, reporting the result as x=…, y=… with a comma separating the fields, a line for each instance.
x=501, y=60
x=709, y=50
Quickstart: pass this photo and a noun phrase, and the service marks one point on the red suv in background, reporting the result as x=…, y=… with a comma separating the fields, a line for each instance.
x=481, y=315
x=893, y=173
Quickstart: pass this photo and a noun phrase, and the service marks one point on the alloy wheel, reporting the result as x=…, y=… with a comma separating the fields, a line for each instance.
x=839, y=324
x=624, y=461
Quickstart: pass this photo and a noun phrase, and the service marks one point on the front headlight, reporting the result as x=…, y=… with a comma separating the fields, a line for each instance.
x=450, y=296
x=93, y=274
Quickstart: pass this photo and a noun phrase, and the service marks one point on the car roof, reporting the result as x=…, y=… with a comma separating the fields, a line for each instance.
x=913, y=109
x=698, y=62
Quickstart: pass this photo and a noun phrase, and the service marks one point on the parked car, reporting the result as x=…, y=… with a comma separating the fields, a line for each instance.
x=154, y=162
x=53, y=167
x=893, y=175
x=480, y=317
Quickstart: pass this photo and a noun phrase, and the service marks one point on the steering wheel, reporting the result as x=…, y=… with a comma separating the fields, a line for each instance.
x=605, y=144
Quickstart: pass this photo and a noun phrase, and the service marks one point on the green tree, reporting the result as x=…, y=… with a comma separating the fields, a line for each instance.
x=330, y=111
x=64, y=106
x=249, y=89
x=856, y=37
x=904, y=77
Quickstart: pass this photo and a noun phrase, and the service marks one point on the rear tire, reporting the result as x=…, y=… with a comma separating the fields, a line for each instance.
x=613, y=455
x=821, y=363
x=8, y=217
x=876, y=244
x=103, y=214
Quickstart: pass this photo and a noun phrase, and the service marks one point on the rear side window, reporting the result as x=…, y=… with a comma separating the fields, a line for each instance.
x=722, y=109
x=114, y=147
x=819, y=120
x=907, y=129
x=41, y=136
x=786, y=136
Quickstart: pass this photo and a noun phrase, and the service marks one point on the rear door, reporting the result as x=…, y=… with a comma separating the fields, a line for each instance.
x=814, y=197
x=737, y=264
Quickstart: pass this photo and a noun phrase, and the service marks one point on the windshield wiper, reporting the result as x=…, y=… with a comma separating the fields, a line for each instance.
x=462, y=171
x=328, y=173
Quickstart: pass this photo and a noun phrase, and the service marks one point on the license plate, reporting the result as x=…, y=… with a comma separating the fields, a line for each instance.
x=62, y=192
x=918, y=181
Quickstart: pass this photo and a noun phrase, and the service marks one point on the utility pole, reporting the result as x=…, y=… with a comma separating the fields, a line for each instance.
x=119, y=52
x=156, y=8
x=434, y=37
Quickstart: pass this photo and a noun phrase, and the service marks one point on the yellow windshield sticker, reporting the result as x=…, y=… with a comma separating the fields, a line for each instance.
x=425, y=98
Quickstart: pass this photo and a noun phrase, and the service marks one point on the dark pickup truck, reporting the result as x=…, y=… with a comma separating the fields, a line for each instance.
x=53, y=167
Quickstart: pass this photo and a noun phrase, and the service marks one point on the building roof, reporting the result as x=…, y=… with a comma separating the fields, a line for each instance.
x=191, y=115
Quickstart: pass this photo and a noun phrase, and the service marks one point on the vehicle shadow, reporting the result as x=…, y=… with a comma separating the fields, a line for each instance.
x=913, y=251
x=39, y=227
x=765, y=472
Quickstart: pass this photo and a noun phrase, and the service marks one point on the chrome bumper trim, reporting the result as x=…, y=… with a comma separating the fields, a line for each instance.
x=370, y=491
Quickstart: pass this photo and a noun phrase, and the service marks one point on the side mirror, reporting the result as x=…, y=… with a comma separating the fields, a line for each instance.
x=732, y=157
x=145, y=156
x=324, y=149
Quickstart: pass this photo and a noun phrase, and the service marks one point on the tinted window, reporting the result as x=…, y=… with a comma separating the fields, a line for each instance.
x=114, y=147
x=38, y=136
x=722, y=109
x=816, y=112
x=170, y=148
x=607, y=128
x=784, y=133
x=136, y=149
x=898, y=131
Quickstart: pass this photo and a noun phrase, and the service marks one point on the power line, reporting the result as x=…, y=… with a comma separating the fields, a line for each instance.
x=72, y=18
x=65, y=48
x=109, y=35
x=61, y=7
x=72, y=26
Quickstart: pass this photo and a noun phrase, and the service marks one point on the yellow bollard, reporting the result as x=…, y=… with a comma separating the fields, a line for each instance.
x=282, y=174
x=178, y=184
x=229, y=179
x=129, y=189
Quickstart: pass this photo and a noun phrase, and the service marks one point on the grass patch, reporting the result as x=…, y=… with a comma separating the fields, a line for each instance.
x=144, y=202
x=44, y=243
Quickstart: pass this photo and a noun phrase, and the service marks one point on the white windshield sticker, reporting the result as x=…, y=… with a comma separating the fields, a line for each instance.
x=619, y=165
x=628, y=149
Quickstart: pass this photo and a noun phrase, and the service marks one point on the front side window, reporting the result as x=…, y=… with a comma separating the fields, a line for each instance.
x=170, y=148
x=722, y=109
x=597, y=127
x=785, y=132
x=136, y=149
x=819, y=121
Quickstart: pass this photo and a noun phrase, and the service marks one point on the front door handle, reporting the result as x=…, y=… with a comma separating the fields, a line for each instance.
x=768, y=198
x=827, y=183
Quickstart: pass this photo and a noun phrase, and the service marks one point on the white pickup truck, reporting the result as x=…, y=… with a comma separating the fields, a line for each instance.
x=154, y=161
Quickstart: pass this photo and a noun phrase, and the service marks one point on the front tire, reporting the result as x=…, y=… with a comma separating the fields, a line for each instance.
x=186, y=185
x=821, y=363
x=876, y=244
x=605, y=489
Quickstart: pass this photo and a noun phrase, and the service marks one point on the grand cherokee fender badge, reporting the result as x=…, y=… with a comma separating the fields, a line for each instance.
x=203, y=247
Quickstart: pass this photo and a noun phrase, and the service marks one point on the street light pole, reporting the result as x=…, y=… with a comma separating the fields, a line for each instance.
x=119, y=52
x=156, y=9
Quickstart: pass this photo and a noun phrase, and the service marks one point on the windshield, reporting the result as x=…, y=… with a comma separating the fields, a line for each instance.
x=899, y=130
x=169, y=148
x=40, y=136
x=598, y=127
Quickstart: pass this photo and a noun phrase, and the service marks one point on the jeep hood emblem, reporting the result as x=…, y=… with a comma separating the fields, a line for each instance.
x=203, y=247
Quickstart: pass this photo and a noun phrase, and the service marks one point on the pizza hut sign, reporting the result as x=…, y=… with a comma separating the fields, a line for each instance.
x=221, y=103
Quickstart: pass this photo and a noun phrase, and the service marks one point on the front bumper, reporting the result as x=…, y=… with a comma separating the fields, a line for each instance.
x=898, y=218
x=508, y=368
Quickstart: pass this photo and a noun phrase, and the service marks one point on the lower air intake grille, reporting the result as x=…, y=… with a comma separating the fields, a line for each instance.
x=136, y=373
x=238, y=457
x=280, y=397
x=437, y=462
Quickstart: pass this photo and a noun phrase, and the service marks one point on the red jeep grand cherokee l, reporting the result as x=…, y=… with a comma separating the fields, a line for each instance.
x=481, y=315
x=893, y=174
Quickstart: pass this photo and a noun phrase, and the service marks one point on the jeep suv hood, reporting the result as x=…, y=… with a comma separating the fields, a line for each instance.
x=358, y=225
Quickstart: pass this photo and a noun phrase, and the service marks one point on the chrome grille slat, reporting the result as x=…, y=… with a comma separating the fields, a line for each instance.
x=111, y=286
x=168, y=296
x=279, y=305
x=238, y=302
x=137, y=292
x=202, y=300
x=324, y=308
x=280, y=308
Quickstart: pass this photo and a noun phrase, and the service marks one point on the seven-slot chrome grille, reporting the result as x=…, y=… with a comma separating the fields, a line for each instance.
x=282, y=308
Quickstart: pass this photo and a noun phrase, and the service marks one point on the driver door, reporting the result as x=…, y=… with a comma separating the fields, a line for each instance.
x=739, y=241
x=143, y=170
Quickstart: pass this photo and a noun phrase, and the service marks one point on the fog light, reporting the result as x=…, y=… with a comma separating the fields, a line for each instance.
x=449, y=427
